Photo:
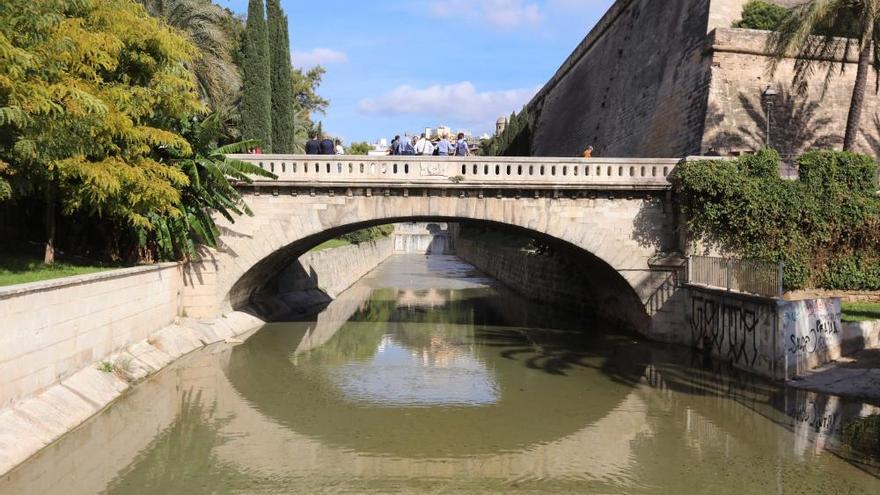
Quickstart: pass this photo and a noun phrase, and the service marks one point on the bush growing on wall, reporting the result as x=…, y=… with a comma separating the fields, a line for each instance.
x=824, y=226
x=758, y=14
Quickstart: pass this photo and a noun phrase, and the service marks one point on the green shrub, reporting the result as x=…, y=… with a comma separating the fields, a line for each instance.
x=368, y=234
x=851, y=272
x=825, y=226
x=758, y=14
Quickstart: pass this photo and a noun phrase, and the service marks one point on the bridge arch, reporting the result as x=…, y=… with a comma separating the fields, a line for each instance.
x=615, y=236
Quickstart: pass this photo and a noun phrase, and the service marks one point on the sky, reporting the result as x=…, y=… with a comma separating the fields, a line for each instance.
x=401, y=66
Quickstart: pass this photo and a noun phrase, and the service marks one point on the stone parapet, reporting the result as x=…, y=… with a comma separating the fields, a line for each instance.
x=465, y=172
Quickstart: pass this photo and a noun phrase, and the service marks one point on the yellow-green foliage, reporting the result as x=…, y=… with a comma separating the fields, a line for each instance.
x=90, y=92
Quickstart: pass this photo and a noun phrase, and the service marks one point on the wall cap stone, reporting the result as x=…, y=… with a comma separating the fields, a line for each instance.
x=74, y=280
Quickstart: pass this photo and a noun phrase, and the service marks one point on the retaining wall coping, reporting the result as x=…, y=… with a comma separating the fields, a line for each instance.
x=64, y=282
x=732, y=294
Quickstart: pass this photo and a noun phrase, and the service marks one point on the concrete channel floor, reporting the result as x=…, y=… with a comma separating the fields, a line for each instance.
x=857, y=375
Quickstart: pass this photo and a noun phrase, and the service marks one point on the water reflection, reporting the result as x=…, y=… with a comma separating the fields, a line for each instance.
x=426, y=377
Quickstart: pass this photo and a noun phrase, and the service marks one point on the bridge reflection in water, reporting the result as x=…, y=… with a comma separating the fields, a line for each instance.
x=424, y=377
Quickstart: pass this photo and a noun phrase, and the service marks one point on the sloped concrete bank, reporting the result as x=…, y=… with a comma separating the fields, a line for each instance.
x=35, y=422
x=71, y=347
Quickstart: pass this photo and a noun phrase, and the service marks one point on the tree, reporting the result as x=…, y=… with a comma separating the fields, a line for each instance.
x=90, y=90
x=210, y=189
x=363, y=148
x=305, y=90
x=283, y=110
x=256, y=98
x=216, y=34
x=797, y=37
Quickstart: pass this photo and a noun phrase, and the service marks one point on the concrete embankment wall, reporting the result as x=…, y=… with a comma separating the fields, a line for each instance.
x=54, y=336
x=52, y=329
x=318, y=277
x=546, y=279
x=774, y=338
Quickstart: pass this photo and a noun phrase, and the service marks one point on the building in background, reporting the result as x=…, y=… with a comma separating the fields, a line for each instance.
x=500, y=125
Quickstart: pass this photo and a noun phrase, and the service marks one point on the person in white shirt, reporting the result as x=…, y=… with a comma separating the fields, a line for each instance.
x=424, y=146
x=339, y=149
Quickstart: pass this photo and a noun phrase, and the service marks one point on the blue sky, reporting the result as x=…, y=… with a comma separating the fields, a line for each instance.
x=400, y=66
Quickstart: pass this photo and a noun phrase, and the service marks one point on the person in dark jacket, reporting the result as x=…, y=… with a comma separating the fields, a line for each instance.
x=313, y=146
x=328, y=147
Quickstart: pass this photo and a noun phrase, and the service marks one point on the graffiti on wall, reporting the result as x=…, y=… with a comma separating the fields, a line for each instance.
x=727, y=327
x=811, y=326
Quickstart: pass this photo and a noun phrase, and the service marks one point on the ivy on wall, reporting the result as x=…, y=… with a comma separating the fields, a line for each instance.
x=825, y=226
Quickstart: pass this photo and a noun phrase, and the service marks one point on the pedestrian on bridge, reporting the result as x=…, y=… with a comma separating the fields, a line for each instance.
x=340, y=150
x=424, y=146
x=327, y=146
x=461, y=146
x=406, y=146
x=444, y=147
x=313, y=146
x=588, y=153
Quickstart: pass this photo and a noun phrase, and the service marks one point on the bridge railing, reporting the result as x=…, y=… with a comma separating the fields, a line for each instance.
x=500, y=172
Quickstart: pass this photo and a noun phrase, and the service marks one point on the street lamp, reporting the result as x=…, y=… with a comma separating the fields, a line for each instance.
x=769, y=96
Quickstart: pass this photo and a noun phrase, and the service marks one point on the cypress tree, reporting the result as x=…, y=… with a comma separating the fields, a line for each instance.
x=256, y=97
x=283, y=110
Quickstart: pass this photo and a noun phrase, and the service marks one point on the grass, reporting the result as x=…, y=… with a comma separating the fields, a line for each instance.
x=856, y=312
x=21, y=267
x=332, y=243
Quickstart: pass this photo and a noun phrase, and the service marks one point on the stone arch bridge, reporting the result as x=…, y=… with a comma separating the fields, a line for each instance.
x=616, y=217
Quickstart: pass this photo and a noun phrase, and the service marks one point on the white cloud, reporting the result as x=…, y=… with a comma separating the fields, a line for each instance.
x=447, y=103
x=318, y=56
x=498, y=13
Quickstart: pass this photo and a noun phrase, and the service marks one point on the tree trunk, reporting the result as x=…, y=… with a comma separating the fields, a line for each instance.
x=854, y=120
x=49, y=255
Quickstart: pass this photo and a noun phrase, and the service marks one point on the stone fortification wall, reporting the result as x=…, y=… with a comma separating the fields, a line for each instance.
x=673, y=78
x=51, y=329
x=635, y=87
x=736, y=117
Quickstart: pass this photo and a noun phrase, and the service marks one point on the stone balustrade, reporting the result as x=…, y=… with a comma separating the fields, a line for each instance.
x=467, y=172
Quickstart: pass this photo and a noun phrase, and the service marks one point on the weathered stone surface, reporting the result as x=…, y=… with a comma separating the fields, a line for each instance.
x=673, y=78
x=636, y=86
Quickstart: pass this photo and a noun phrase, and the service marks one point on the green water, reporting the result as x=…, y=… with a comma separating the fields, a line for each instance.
x=426, y=377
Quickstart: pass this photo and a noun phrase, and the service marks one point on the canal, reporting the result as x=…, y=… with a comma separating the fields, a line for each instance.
x=426, y=376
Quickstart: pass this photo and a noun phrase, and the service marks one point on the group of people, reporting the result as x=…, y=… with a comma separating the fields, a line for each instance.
x=424, y=145
x=324, y=146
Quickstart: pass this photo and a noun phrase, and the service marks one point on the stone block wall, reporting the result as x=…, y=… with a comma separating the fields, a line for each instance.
x=672, y=78
x=635, y=87
x=736, y=116
x=50, y=330
x=547, y=279
x=317, y=277
x=334, y=270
